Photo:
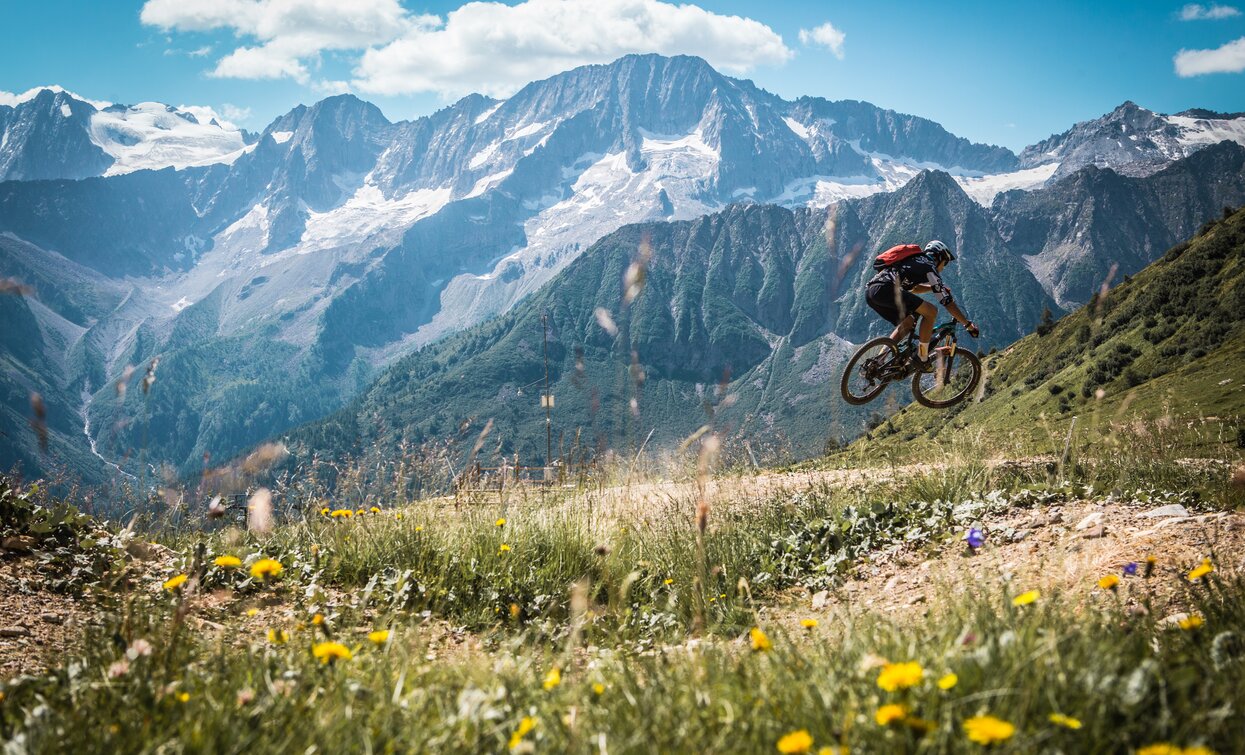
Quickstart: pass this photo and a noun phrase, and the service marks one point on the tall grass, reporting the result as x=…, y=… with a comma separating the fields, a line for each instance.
x=1129, y=679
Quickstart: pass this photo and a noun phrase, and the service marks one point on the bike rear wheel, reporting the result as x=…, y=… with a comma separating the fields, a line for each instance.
x=862, y=381
x=954, y=377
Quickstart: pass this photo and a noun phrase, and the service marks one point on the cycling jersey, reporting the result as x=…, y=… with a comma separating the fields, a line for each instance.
x=914, y=271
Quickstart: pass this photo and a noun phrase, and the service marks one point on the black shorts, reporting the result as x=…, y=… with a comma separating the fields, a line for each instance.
x=881, y=298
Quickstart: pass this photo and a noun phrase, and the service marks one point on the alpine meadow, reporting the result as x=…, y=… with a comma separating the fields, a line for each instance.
x=615, y=377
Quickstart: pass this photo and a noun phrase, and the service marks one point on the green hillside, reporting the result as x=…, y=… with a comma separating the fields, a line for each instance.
x=1163, y=350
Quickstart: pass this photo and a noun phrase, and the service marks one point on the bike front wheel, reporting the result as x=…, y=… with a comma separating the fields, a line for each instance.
x=953, y=378
x=863, y=378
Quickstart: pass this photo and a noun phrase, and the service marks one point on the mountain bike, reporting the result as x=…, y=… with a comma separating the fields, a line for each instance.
x=880, y=362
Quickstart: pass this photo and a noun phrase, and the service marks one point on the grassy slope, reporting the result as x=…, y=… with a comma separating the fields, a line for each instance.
x=1167, y=343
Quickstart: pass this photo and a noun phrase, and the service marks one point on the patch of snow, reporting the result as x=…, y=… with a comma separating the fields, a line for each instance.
x=529, y=130
x=799, y=128
x=600, y=194
x=538, y=144
x=281, y=137
x=181, y=304
x=368, y=212
x=483, y=156
x=252, y=228
x=1203, y=132
x=488, y=113
x=488, y=182
x=149, y=136
x=983, y=189
x=689, y=143
x=226, y=159
x=65, y=111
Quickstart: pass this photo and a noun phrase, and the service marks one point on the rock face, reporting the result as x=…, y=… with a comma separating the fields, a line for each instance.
x=1077, y=231
x=1133, y=141
x=49, y=137
x=275, y=276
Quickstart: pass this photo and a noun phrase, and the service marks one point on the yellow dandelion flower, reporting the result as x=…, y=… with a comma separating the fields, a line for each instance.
x=1201, y=570
x=327, y=652
x=798, y=741
x=318, y=619
x=988, y=730
x=598, y=688
x=362, y=511
x=228, y=562
x=266, y=568
x=833, y=751
x=375, y=509
x=1109, y=582
x=526, y=725
x=948, y=681
x=278, y=636
x=251, y=612
x=342, y=514
x=379, y=637
x=808, y=623
x=501, y=522
x=514, y=610
x=889, y=714
x=175, y=582
x=760, y=641
x=1024, y=599
x=397, y=515
x=668, y=581
x=325, y=511
x=504, y=548
x=1192, y=621
x=1161, y=748
x=419, y=528
x=897, y=676
x=553, y=678
x=183, y=697
x=1067, y=722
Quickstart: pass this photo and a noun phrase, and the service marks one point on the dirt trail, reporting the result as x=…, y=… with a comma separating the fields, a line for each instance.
x=1050, y=555
x=37, y=627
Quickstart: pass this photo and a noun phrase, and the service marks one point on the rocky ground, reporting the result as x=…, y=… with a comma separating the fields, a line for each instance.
x=1060, y=550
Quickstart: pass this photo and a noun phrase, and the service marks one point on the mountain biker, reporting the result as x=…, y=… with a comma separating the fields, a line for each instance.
x=892, y=293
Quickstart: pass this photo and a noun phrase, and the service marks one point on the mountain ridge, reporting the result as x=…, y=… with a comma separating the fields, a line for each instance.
x=336, y=241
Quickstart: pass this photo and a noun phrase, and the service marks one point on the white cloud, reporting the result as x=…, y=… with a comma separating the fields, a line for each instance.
x=271, y=61
x=235, y=113
x=825, y=36
x=227, y=116
x=481, y=46
x=1230, y=58
x=1213, y=12
x=290, y=32
x=495, y=48
x=330, y=87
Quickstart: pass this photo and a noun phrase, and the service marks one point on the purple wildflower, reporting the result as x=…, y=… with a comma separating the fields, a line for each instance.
x=975, y=538
x=1130, y=569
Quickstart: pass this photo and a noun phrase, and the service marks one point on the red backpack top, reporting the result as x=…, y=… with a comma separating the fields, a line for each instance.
x=896, y=254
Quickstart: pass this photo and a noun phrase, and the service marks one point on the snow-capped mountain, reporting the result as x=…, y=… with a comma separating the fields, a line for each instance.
x=1133, y=141
x=273, y=275
x=50, y=133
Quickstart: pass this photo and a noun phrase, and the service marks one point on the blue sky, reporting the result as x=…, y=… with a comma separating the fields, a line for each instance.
x=1004, y=73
